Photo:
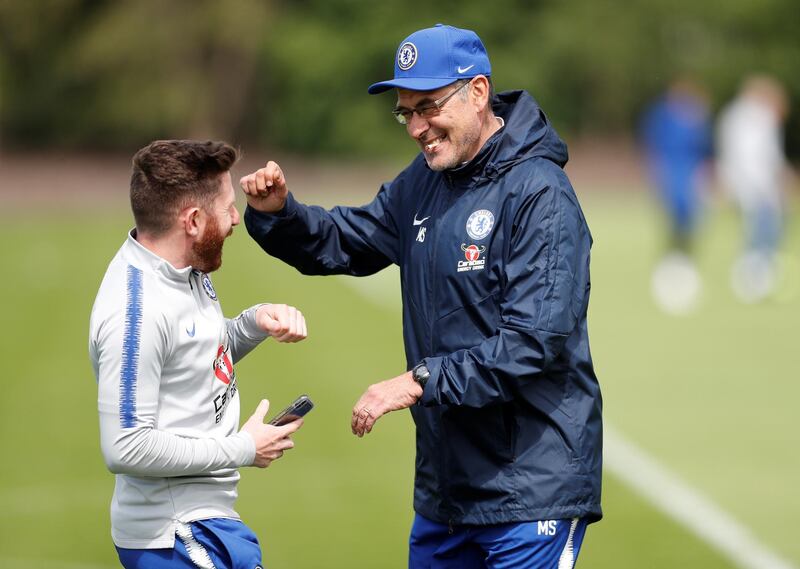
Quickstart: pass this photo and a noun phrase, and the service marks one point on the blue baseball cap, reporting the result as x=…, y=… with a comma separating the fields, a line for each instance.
x=434, y=57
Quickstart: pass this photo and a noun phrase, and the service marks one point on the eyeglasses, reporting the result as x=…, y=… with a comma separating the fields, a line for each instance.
x=404, y=115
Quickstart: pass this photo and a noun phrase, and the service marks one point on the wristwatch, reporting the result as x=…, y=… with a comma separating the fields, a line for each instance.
x=421, y=374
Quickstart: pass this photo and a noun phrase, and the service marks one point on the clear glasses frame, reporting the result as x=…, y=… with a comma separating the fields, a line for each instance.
x=430, y=110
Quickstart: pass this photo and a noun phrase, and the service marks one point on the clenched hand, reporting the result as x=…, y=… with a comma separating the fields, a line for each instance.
x=266, y=188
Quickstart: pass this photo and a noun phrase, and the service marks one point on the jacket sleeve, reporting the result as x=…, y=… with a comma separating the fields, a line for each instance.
x=128, y=352
x=356, y=241
x=543, y=301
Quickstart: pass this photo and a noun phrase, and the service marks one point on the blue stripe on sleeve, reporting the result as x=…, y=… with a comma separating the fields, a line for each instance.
x=129, y=369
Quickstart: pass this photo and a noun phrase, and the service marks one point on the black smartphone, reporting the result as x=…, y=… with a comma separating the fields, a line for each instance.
x=299, y=408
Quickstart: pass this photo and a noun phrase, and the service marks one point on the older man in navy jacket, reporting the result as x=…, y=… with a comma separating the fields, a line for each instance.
x=493, y=250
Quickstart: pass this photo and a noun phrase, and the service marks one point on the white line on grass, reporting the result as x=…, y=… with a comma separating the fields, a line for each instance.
x=642, y=473
x=684, y=504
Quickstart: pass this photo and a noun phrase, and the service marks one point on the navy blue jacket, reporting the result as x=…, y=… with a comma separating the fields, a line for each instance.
x=494, y=263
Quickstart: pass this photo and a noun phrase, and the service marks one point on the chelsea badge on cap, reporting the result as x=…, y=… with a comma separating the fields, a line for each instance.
x=406, y=56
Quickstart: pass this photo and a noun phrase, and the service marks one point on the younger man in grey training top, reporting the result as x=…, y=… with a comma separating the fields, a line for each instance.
x=164, y=356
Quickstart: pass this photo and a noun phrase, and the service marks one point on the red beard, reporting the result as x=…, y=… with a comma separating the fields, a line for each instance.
x=208, y=250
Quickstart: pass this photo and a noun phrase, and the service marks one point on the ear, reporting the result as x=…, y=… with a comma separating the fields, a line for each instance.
x=479, y=93
x=192, y=220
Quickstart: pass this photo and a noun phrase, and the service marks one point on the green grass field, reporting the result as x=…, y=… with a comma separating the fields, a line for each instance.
x=711, y=396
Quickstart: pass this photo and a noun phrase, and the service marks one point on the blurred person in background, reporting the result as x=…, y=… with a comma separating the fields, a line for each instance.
x=163, y=356
x=676, y=133
x=753, y=167
x=493, y=250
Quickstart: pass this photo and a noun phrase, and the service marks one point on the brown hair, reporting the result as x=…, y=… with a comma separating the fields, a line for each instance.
x=169, y=175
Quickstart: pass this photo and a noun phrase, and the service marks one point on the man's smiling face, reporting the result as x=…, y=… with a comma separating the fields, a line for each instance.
x=451, y=136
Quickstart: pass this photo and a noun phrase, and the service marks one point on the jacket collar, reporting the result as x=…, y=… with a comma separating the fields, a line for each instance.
x=527, y=133
x=143, y=258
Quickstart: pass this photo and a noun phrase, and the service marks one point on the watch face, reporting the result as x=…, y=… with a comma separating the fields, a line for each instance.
x=421, y=374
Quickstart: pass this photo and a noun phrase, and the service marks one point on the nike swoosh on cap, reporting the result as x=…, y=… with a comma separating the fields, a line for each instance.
x=465, y=69
x=420, y=221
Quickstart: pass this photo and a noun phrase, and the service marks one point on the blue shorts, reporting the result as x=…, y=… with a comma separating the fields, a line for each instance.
x=216, y=543
x=551, y=544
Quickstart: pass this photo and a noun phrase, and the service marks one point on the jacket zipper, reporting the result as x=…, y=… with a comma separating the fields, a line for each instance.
x=449, y=197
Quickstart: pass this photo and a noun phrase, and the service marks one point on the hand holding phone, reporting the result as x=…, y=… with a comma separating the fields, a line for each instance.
x=297, y=409
x=271, y=441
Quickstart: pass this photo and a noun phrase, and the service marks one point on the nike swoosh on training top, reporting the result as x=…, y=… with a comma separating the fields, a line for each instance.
x=465, y=69
x=420, y=221
x=191, y=332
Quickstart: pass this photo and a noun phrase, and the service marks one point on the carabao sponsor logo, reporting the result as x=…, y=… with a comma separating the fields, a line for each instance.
x=223, y=367
x=472, y=254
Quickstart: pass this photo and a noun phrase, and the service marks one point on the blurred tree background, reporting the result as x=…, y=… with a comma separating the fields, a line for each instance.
x=292, y=74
